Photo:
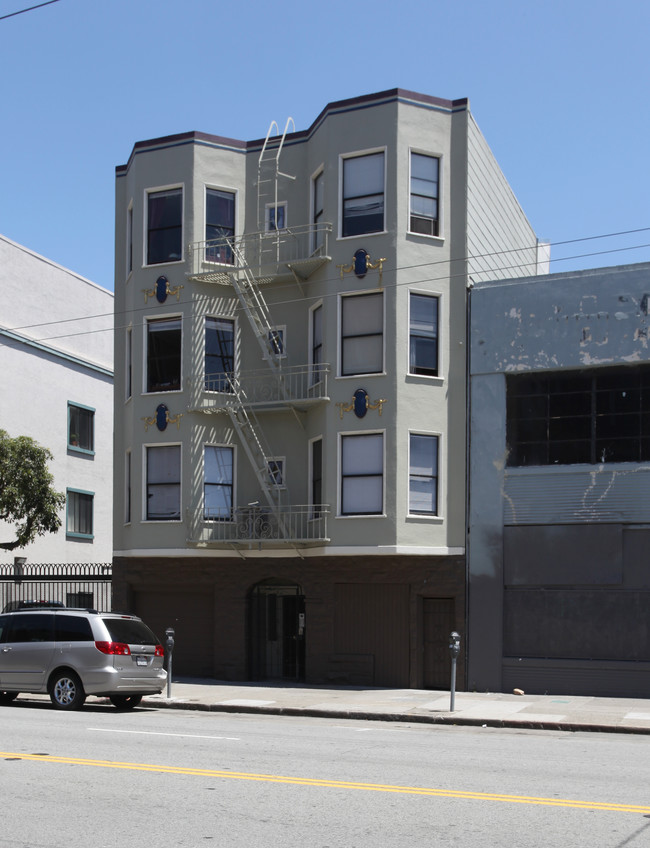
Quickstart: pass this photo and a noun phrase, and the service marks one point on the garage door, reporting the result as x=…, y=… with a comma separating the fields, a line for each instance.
x=191, y=614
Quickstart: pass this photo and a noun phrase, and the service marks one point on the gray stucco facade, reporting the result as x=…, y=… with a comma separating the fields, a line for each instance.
x=559, y=481
x=357, y=262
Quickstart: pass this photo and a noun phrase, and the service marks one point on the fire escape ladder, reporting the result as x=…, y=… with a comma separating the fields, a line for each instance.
x=268, y=176
x=251, y=436
x=258, y=315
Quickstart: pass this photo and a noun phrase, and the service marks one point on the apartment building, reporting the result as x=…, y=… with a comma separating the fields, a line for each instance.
x=56, y=343
x=290, y=408
x=559, y=477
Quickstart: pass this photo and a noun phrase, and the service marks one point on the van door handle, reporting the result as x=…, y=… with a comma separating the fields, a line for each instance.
x=6, y=650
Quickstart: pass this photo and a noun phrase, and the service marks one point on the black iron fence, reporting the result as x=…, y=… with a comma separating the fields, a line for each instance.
x=74, y=585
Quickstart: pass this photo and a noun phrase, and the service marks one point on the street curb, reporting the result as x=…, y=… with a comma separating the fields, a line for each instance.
x=449, y=720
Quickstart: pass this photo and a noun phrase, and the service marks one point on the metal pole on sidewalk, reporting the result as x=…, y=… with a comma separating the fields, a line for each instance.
x=169, y=645
x=454, y=650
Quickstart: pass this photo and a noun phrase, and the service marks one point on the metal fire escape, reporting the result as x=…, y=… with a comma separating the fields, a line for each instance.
x=251, y=257
x=257, y=312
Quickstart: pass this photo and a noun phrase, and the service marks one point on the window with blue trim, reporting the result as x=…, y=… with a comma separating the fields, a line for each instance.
x=81, y=428
x=79, y=518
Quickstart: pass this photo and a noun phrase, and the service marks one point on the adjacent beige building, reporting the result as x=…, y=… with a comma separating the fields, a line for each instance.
x=290, y=406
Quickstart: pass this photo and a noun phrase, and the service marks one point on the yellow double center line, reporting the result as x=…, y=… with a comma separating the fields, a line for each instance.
x=335, y=784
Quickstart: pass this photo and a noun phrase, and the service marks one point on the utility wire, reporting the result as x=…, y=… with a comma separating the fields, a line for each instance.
x=513, y=268
x=30, y=9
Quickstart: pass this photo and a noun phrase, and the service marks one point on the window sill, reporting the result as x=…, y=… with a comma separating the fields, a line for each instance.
x=363, y=515
x=425, y=378
x=362, y=235
x=439, y=240
x=161, y=521
x=166, y=262
x=412, y=517
x=82, y=451
x=363, y=375
x=82, y=536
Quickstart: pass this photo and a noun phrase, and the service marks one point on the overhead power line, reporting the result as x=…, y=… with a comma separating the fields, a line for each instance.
x=437, y=274
x=30, y=9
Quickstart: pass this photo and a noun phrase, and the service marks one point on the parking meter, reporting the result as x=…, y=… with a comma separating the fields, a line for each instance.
x=454, y=644
x=454, y=651
x=169, y=647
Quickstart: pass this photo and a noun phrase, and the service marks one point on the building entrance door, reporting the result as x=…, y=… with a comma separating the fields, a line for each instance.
x=437, y=623
x=277, y=631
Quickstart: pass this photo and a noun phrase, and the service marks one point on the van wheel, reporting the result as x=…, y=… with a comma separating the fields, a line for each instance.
x=125, y=702
x=8, y=697
x=66, y=691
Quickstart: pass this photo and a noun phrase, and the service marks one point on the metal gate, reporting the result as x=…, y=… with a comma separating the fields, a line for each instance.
x=85, y=585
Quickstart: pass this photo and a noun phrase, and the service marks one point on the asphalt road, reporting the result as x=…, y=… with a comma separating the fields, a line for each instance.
x=169, y=778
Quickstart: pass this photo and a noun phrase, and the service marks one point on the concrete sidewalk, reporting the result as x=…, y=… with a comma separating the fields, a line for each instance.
x=547, y=712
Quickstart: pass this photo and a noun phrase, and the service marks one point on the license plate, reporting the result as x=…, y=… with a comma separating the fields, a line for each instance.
x=141, y=661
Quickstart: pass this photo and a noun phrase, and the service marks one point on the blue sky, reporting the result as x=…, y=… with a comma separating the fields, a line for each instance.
x=559, y=88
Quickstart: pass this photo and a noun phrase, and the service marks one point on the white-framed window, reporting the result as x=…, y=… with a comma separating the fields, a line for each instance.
x=164, y=345
x=163, y=482
x=129, y=239
x=424, y=213
x=362, y=333
x=423, y=334
x=316, y=476
x=127, y=487
x=317, y=209
x=79, y=514
x=219, y=354
x=276, y=216
x=128, y=363
x=423, y=474
x=164, y=225
x=219, y=225
x=218, y=482
x=277, y=337
x=362, y=194
x=81, y=428
x=276, y=467
x=362, y=474
x=316, y=343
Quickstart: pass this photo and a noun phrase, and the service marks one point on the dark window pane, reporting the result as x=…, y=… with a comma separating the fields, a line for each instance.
x=219, y=354
x=129, y=631
x=569, y=453
x=32, y=628
x=79, y=514
x=564, y=405
x=81, y=428
x=560, y=429
x=423, y=353
x=219, y=225
x=363, y=195
x=165, y=227
x=617, y=450
x=73, y=628
x=164, y=355
x=617, y=426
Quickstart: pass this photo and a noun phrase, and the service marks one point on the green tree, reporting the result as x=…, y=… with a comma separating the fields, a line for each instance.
x=27, y=497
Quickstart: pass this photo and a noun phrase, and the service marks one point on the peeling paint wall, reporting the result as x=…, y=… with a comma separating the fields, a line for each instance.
x=574, y=320
x=554, y=571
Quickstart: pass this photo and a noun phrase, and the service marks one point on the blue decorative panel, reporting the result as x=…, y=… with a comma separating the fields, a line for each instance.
x=161, y=417
x=360, y=403
x=361, y=263
x=161, y=289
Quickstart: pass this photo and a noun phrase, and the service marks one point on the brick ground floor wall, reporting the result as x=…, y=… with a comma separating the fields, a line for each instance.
x=379, y=621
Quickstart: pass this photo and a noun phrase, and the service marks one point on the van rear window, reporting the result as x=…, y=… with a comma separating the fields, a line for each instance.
x=129, y=631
